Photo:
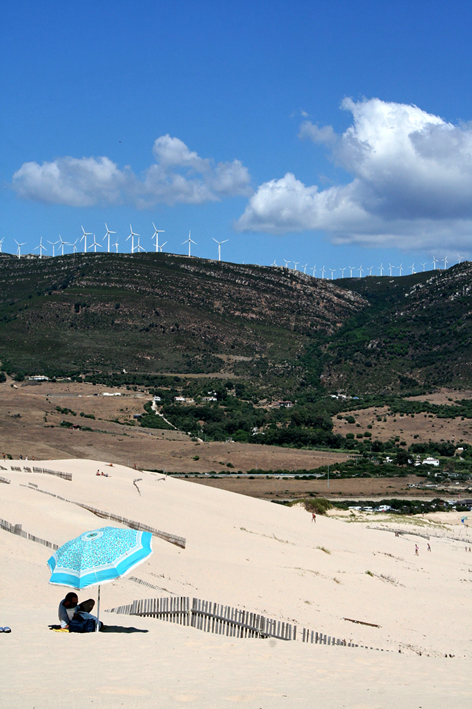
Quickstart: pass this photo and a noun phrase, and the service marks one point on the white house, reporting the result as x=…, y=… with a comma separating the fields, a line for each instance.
x=431, y=461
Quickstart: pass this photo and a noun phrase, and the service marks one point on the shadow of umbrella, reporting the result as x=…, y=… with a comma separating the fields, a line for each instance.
x=122, y=629
x=110, y=629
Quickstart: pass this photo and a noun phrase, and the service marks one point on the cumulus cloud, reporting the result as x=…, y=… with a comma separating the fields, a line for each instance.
x=411, y=182
x=179, y=175
x=77, y=182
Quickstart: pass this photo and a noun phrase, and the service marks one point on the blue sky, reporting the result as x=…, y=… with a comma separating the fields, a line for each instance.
x=332, y=133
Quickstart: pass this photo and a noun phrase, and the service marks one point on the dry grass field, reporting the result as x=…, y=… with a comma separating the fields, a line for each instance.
x=30, y=427
x=412, y=428
x=283, y=489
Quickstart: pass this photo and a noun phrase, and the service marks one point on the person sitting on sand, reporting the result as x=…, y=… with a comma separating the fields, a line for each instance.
x=66, y=610
x=83, y=611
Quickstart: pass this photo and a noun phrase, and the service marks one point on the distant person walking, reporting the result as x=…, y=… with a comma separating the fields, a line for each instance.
x=313, y=517
x=417, y=550
x=429, y=546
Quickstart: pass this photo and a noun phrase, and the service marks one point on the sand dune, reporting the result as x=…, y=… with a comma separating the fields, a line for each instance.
x=245, y=553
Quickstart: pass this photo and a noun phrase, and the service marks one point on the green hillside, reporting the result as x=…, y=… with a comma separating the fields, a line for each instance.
x=160, y=313
x=417, y=333
x=154, y=314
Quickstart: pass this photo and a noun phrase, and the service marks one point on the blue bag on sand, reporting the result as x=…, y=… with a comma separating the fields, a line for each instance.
x=82, y=625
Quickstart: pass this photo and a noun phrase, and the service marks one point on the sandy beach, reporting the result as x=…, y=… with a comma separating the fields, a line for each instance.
x=414, y=611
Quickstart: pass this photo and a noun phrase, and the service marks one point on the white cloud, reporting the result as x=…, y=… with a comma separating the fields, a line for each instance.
x=79, y=183
x=411, y=186
x=178, y=176
x=325, y=134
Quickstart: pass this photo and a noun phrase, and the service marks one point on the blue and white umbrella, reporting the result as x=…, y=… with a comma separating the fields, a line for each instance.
x=99, y=556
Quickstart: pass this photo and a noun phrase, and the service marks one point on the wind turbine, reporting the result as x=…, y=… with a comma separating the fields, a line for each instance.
x=381, y=269
x=94, y=245
x=19, y=248
x=342, y=271
x=460, y=258
x=219, y=246
x=360, y=271
x=400, y=268
x=413, y=268
x=189, y=241
x=424, y=266
x=74, y=246
x=161, y=246
x=1, y=242
x=116, y=247
x=273, y=264
x=108, y=235
x=139, y=247
x=304, y=268
x=131, y=236
x=286, y=262
x=84, y=238
x=435, y=261
x=53, y=244
x=445, y=262
x=323, y=272
x=351, y=269
x=370, y=270
x=332, y=271
x=62, y=244
x=313, y=270
x=40, y=247
x=156, y=236
x=295, y=264
x=390, y=268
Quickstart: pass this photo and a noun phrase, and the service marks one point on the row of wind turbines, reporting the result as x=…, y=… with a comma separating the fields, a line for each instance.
x=135, y=246
x=362, y=270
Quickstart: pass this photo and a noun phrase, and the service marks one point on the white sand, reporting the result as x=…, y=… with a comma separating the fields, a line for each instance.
x=245, y=553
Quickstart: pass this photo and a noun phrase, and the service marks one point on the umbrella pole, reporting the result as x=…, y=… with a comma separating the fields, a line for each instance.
x=97, y=627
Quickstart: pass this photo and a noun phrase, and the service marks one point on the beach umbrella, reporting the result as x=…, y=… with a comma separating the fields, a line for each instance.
x=99, y=556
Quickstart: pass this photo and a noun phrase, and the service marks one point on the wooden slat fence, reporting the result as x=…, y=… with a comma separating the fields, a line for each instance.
x=57, y=473
x=19, y=531
x=132, y=524
x=210, y=617
x=311, y=636
x=225, y=620
x=27, y=469
x=235, y=622
x=174, y=610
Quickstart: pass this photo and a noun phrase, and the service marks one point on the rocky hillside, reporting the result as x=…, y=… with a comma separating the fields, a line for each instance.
x=163, y=313
x=417, y=333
